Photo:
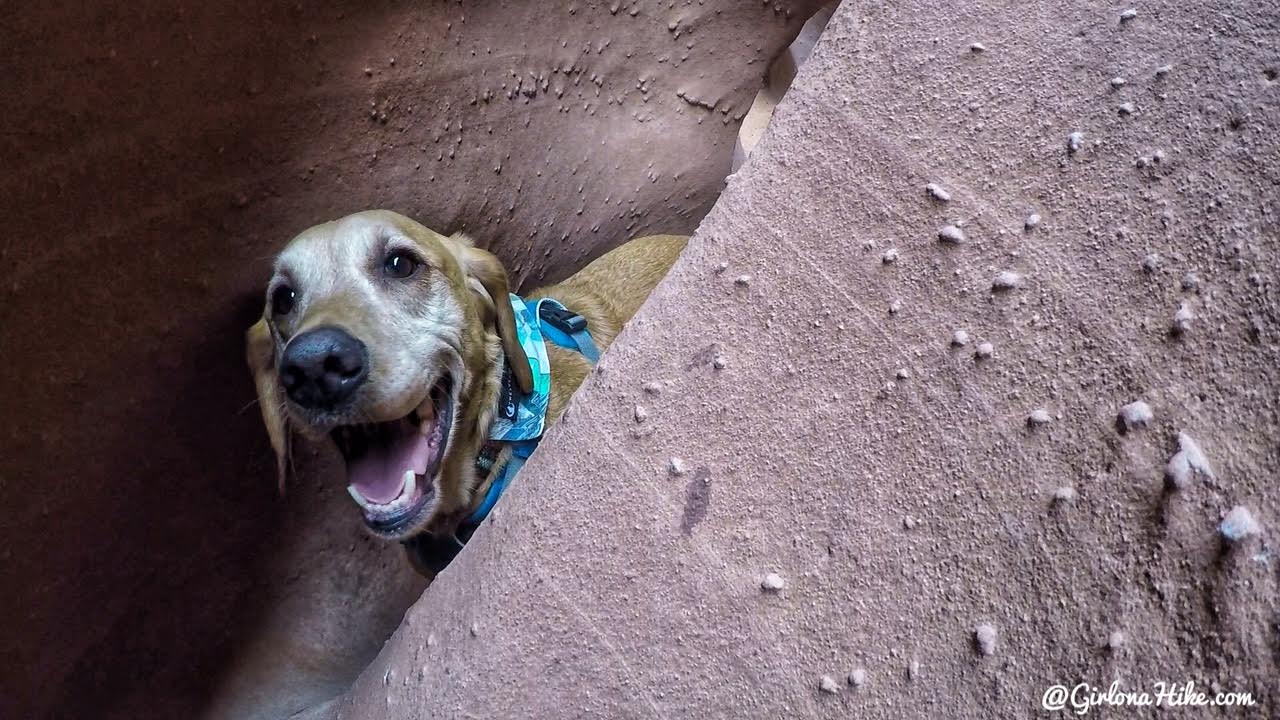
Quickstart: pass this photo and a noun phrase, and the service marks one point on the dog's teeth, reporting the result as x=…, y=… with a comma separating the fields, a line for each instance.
x=355, y=495
x=403, y=500
x=410, y=485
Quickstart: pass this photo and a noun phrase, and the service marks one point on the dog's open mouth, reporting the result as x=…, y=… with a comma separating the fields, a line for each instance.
x=391, y=466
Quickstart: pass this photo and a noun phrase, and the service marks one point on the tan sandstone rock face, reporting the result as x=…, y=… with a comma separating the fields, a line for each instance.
x=958, y=538
x=157, y=155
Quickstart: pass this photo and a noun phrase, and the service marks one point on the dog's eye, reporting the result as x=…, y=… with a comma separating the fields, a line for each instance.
x=282, y=300
x=399, y=265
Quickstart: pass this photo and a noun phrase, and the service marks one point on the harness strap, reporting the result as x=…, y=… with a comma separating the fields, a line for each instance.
x=566, y=328
x=562, y=327
x=520, y=451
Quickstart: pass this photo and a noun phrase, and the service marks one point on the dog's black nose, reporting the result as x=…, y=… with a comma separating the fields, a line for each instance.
x=322, y=367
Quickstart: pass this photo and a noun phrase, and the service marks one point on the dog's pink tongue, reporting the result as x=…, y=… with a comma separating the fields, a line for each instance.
x=379, y=473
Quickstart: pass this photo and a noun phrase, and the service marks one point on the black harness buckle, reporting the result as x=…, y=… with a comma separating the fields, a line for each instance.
x=562, y=319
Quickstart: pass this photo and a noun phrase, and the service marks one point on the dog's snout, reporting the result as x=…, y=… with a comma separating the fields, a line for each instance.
x=323, y=367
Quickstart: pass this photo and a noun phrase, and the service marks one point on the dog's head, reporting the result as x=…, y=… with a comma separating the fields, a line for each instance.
x=387, y=338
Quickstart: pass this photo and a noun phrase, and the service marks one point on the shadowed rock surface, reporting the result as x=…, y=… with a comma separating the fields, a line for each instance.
x=157, y=155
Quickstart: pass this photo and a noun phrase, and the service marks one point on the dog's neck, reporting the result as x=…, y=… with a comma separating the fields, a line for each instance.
x=503, y=425
x=432, y=550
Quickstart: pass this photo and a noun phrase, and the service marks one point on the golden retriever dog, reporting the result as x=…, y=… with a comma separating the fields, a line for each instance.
x=391, y=341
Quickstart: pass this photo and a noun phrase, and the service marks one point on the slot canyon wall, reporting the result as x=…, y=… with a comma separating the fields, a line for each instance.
x=157, y=154
x=906, y=451
x=966, y=388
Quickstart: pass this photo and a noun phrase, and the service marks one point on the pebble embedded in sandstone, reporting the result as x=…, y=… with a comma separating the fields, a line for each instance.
x=1128, y=15
x=1186, y=464
x=1116, y=641
x=985, y=637
x=828, y=685
x=1039, y=417
x=960, y=338
x=1064, y=495
x=913, y=670
x=889, y=256
x=858, y=677
x=719, y=362
x=1006, y=280
x=1127, y=108
x=977, y=47
x=1118, y=82
x=1031, y=222
x=641, y=414
x=652, y=388
x=1182, y=319
x=984, y=351
x=1239, y=525
x=951, y=234
x=676, y=467
x=475, y=630
x=1255, y=329
x=773, y=582
x=895, y=307
x=1163, y=70
x=902, y=374
x=742, y=280
x=1136, y=414
x=1190, y=282
x=1075, y=142
x=937, y=192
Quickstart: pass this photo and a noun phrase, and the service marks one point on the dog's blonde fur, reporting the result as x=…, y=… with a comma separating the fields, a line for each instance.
x=454, y=316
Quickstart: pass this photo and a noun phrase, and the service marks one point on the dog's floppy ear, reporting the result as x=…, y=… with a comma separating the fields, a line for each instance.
x=260, y=351
x=488, y=270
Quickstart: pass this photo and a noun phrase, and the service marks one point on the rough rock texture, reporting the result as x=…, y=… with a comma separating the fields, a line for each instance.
x=156, y=155
x=906, y=510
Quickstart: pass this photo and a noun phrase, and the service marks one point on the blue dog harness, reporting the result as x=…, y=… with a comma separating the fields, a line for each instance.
x=520, y=418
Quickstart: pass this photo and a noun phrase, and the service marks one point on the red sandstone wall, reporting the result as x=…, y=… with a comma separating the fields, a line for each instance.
x=964, y=527
x=157, y=153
